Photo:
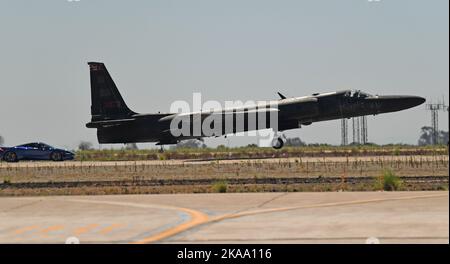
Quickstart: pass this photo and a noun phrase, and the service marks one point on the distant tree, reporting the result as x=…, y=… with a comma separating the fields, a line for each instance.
x=252, y=146
x=2, y=140
x=191, y=143
x=319, y=145
x=294, y=142
x=131, y=146
x=221, y=147
x=360, y=144
x=85, y=145
x=426, y=136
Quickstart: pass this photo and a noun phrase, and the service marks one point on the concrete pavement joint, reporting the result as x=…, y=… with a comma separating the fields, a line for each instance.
x=183, y=218
x=20, y=206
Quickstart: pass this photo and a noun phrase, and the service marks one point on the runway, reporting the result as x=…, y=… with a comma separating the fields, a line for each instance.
x=333, y=217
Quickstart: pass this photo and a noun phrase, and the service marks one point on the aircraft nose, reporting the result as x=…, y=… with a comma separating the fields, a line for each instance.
x=412, y=101
x=398, y=103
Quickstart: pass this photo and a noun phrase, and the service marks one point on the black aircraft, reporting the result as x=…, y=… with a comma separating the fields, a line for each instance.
x=116, y=123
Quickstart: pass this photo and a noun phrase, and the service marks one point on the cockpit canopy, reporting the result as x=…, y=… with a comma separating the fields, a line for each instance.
x=357, y=94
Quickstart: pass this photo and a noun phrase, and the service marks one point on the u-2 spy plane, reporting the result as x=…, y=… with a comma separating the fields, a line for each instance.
x=116, y=123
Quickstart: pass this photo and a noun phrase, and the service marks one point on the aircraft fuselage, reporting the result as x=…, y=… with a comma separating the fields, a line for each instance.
x=116, y=123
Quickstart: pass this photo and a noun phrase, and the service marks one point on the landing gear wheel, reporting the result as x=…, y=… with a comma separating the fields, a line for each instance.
x=278, y=143
x=10, y=157
x=56, y=156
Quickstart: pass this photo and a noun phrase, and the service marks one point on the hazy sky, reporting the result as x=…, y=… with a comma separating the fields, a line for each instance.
x=162, y=51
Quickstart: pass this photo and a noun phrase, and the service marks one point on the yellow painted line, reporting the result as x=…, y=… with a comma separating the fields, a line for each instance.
x=184, y=227
x=49, y=229
x=110, y=228
x=82, y=230
x=197, y=218
x=25, y=229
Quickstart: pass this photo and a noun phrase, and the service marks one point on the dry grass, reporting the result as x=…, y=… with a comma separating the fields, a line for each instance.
x=246, y=188
x=433, y=163
x=298, y=167
x=257, y=152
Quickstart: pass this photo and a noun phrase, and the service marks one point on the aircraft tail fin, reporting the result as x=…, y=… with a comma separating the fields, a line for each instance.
x=107, y=103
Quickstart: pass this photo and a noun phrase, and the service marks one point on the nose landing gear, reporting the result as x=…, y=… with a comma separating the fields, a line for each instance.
x=161, y=150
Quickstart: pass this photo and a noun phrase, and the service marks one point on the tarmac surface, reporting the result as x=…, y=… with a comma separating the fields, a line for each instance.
x=345, y=217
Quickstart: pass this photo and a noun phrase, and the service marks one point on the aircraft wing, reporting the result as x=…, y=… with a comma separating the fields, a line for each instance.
x=203, y=115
